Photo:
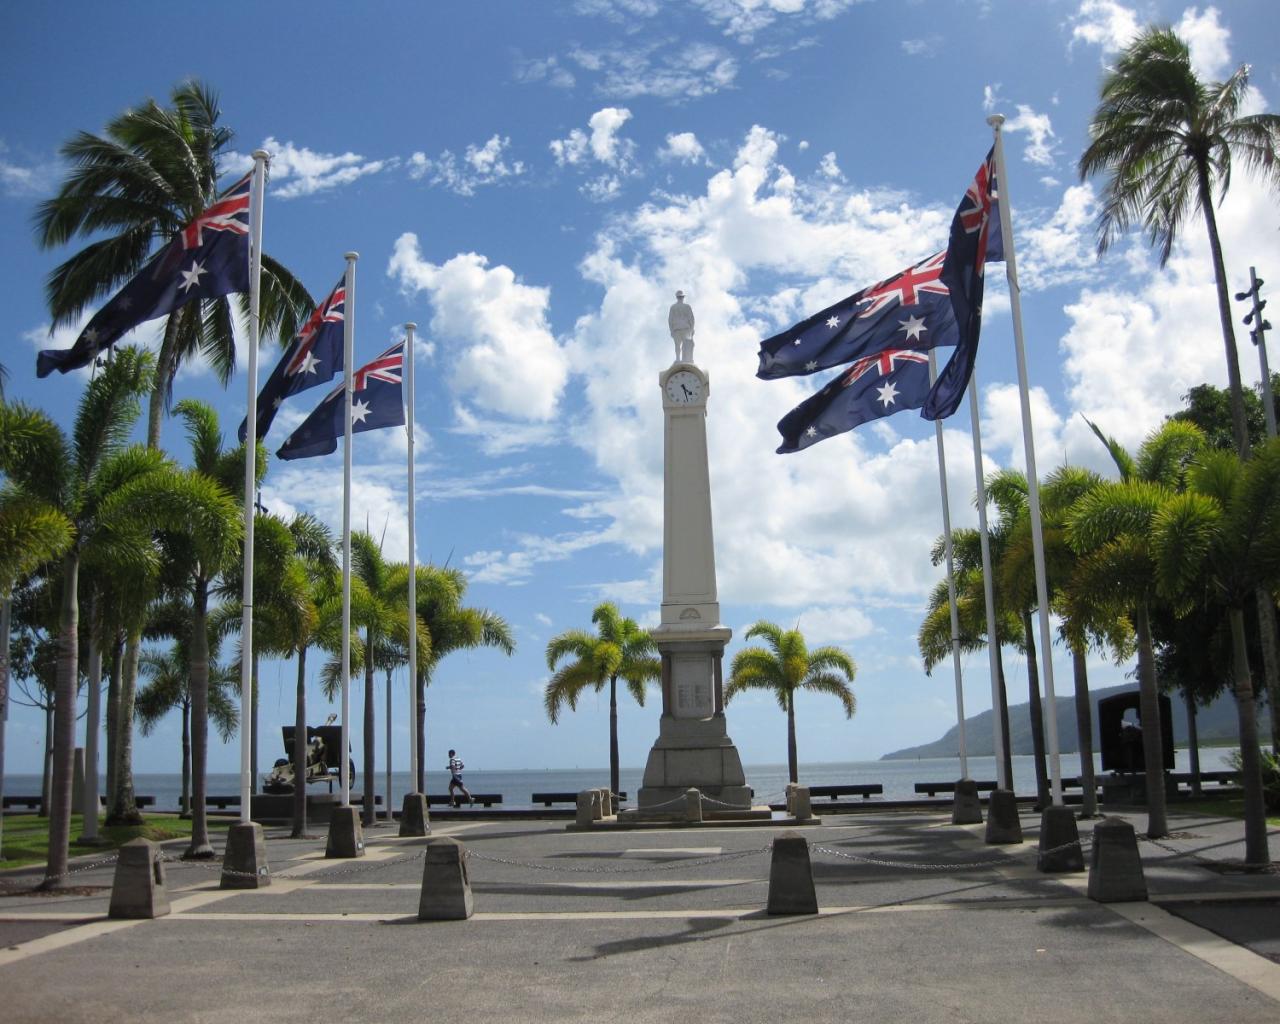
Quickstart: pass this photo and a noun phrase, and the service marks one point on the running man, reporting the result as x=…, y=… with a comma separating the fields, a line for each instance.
x=455, y=779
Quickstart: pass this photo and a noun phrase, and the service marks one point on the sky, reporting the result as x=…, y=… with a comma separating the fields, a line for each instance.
x=531, y=183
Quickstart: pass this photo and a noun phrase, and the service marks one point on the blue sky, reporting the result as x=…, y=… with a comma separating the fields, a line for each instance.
x=531, y=182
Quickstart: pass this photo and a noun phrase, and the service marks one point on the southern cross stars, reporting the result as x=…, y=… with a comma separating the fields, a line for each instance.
x=913, y=325
x=191, y=278
x=811, y=365
x=811, y=432
x=887, y=394
x=308, y=364
x=359, y=411
x=834, y=322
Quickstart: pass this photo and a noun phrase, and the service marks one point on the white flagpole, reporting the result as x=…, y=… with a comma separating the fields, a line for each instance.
x=951, y=579
x=988, y=589
x=1029, y=445
x=250, y=473
x=348, y=356
x=413, y=571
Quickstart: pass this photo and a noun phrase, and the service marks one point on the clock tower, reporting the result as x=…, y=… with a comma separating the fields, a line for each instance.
x=693, y=749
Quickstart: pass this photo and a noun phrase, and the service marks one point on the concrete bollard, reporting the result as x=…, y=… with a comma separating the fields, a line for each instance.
x=966, y=808
x=1115, y=866
x=587, y=801
x=244, y=865
x=415, y=820
x=137, y=891
x=791, y=877
x=446, y=883
x=692, y=805
x=801, y=805
x=346, y=834
x=606, y=802
x=1003, y=824
x=1059, y=841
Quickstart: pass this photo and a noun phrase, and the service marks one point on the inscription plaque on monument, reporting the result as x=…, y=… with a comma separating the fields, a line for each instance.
x=691, y=683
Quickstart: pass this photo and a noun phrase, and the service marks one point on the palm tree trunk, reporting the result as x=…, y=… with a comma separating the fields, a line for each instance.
x=1036, y=710
x=421, y=725
x=64, y=723
x=112, y=712
x=186, y=758
x=1239, y=425
x=46, y=781
x=1152, y=734
x=164, y=372
x=366, y=812
x=1084, y=731
x=300, y=749
x=1193, y=740
x=1004, y=719
x=124, y=807
x=793, y=764
x=1255, y=811
x=200, y=848
x=613, y=734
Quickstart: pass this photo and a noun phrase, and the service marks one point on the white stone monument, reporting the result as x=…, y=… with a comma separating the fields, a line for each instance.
x=693, y=749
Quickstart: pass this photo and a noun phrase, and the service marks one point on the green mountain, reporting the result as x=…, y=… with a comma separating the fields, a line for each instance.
x=1217, y=726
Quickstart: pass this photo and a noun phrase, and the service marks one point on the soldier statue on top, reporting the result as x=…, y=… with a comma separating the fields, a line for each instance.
x=680, y=323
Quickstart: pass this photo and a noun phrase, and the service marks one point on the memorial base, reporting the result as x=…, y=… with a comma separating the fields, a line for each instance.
x=694, y=753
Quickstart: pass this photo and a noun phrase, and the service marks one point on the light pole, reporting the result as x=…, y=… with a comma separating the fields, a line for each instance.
x=1259, y=336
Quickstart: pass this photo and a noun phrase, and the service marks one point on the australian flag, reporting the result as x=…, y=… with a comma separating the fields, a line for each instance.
x=312, y=358
x=874, y=386
x=206, y=259
x=375, y=402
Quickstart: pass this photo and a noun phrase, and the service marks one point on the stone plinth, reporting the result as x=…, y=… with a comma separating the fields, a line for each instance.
x=138, y=890
x=446, y=883
x=1059, y=841
x=966, y=808
x=791, y=877
x=244, y=866
x=346, y=833
x=1003, y=823
x=1115, y=866
x=414, y=817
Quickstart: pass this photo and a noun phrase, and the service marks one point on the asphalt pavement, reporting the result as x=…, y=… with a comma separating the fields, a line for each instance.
x=920, y=920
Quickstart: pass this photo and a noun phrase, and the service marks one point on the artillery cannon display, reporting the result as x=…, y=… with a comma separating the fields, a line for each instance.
x=323, y=744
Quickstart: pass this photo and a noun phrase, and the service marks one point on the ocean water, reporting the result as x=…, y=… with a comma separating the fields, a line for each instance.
x=768, y=780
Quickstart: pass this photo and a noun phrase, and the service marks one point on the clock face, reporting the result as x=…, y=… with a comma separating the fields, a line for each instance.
x=684, y=387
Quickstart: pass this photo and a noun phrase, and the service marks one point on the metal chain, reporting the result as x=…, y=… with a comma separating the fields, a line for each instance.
x=971, y=865
x=720, y=803
x=642, y=869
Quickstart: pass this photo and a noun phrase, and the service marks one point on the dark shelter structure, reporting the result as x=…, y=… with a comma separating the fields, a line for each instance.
x=1120, y=730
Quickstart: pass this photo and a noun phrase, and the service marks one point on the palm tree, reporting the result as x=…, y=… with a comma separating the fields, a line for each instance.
x=1166, y=141
x=1220, y=541
x=151, y=172
x=75, y=475
x=450, y=626
x=787, y=666
x=169, y=688
x=619, y=649
x=1111, y=529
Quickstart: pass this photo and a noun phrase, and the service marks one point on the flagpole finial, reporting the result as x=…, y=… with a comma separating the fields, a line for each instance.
x=996, y=120
x=351, y=257
x=410, y=326
x=263, y=155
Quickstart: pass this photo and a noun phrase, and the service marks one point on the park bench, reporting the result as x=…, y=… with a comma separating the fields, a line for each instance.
x=222, y=801
x=487, y=799
x=934, y=788
x=1214, y=780
x=866, y=790
x=139, y=801
x=547, y=799
x=22, y=801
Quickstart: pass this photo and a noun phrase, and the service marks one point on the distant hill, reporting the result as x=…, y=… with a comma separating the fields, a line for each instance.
x=1217, y=726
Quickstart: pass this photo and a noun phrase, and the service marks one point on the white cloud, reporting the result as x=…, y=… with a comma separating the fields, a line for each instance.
x=743, y=19
x=1208, y=40
x=828, y=168
x=603, y=144
x=546, y=69
x=26, y=179
x=1061, y=249
x=502, y=436
x=926, y=47
x=675, y=73
x=683, y=147
x=1104, y=23
x=299, y=171
x=479, y=166
x=492, y=329
x=1041, y=139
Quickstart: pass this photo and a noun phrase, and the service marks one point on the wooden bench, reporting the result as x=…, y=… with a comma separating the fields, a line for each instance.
x=866, y=790
x=488, y=799
x=1207, y=778
x=22, y=801
x=934, y=788
x=547, y=799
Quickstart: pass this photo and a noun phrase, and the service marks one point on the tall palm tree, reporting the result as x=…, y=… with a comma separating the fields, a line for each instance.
x=1166, y=140
x=169, y=688
x=787, y=665
x=152, y=170
x=1220, y=540
x=619, y=649
x=75, y=475
x=1112, y=527
x=450, y=626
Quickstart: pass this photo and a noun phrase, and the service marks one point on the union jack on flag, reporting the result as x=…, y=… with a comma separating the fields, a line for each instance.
x=387, y=367
x=883, y=361
x=906, y=287
x=230, y=213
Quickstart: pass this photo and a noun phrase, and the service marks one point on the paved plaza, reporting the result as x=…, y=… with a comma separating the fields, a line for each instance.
x=920, y=921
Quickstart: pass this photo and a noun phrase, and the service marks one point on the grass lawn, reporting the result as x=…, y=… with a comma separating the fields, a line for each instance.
x=1225, y=806
x=26, y=836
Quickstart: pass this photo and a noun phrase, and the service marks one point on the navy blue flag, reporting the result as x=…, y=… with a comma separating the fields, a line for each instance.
x=312, y=358
x=206, y=259
x=967, y=253
x=375, y=402
x=912, y=309
x=874, y=386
